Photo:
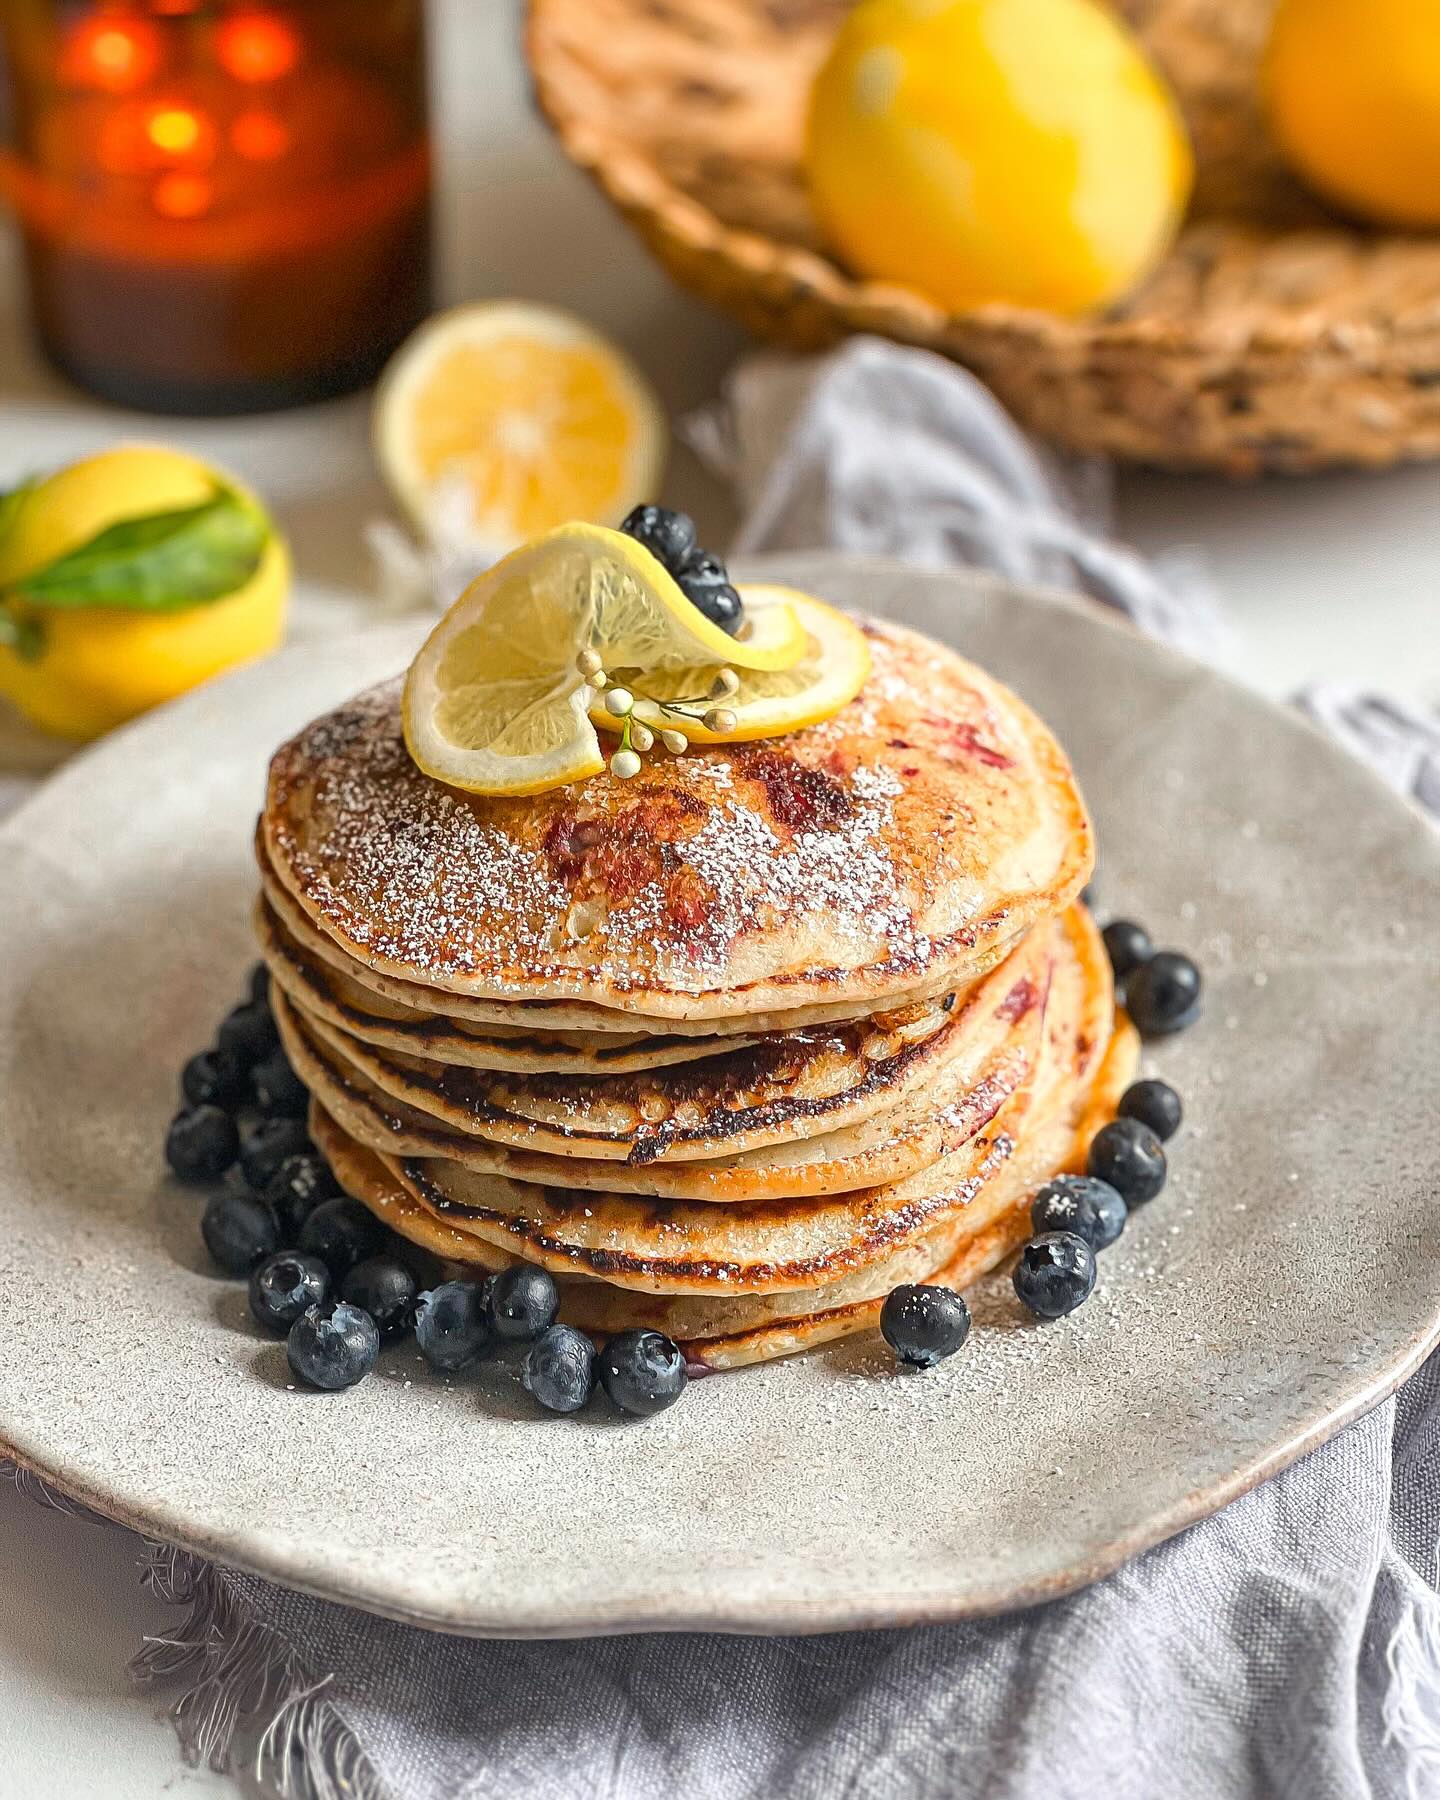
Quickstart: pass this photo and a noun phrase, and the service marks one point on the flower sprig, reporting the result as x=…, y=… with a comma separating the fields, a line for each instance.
x=642, y=715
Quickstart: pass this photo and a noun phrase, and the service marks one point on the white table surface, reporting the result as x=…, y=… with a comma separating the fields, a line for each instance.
x=1332, y=577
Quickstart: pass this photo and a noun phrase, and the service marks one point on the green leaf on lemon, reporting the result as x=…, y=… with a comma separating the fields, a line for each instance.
x=11, y=501
x=159, y=562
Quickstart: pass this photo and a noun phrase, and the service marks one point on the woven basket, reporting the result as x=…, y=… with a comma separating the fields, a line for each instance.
x=1274, y=337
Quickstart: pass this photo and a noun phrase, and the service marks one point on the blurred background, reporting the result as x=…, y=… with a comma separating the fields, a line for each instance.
x=1325, y=571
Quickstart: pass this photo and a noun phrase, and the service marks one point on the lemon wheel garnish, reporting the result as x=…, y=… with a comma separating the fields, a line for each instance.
x=495, y=702
x=501, y=420
x=829, y=673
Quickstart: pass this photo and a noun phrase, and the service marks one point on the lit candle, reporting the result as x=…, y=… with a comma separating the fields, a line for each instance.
x=224, y=205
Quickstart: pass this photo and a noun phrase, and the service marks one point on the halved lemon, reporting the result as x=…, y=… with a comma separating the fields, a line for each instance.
x=829, y=673
x=495, y=703
x=498, y=421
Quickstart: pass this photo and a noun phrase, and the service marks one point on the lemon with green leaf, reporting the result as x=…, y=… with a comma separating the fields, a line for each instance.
x=128, y=578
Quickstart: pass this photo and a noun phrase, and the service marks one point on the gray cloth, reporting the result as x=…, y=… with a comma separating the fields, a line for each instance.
x=1247, y=1657
x=1289, y=1646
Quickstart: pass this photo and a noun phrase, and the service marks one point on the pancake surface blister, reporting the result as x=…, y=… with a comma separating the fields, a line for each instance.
x=732, y=1048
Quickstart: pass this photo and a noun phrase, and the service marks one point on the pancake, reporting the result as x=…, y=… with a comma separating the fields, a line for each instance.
x=336, y=998
x=904, y=842
x=787, y=1086
x=573, y=1018
x=1002, y=1032
x=730, y=1330
x=678, y=1247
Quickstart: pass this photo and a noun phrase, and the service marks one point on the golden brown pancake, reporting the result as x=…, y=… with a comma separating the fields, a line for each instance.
x=874, y=1236
x=787, y=1086
x=569, y=1020
x=317, y=988
x=1000, y=1020
x=729, y=1330
x=904, y=841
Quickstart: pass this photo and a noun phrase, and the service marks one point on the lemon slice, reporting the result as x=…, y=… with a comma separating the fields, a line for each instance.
x=498, y=421
x=495, y=703
x=829, y=673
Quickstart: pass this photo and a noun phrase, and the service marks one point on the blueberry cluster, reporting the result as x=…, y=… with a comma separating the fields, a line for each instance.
x=464, y=1322
x=325, y=1274
x=701, y=575
x=1076, y=1216
x=1161, y=988
x=1073, y=1217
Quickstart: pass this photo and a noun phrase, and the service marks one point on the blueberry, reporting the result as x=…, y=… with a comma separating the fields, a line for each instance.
x=706, y=585
x=333, y=1345
x=1055, y=1274
x=668, y=536
x=924, y=1325
x=383, y=1287
x=259, y=984
x=642, y=1372
x=1128, y=946
x=1153, y=1103
x=452, y=1323
x=1092, y=1209
x=342, y=1232
x=239, y=1231
x=201, y=1143
x=266, y=1145
x=524, y=1302
x=281, y=1092
x=559, y=1369
x=214, y=1078
x=248, y=1034
x=1131, y=1158
x=1164, y=996
x=296, y=1188
x=284, y=1285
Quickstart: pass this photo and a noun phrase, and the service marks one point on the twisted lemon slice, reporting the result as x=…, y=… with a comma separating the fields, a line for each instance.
x=494, y=703
x=829, y=672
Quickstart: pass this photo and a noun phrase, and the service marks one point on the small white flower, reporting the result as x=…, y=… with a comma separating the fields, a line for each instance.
x=720, y=720
x=726, y=682
x=675, y=741
x=642, y=737
x=619, y=701
x=625, y=765
x=589, y=664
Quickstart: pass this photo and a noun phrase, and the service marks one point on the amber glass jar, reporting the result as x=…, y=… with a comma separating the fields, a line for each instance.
x=225, y=205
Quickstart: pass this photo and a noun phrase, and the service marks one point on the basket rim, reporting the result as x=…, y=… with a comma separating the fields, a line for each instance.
x=636, y=185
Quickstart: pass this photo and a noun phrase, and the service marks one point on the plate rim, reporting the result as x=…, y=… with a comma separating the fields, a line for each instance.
x=806, y=1608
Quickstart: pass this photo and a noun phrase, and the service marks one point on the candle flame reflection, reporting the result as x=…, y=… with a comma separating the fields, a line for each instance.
x=180, y=196
x=115, y=55
x=257, y=47
x=175, y=130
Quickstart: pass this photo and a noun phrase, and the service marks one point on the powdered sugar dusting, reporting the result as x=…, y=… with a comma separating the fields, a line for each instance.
x=782, y=860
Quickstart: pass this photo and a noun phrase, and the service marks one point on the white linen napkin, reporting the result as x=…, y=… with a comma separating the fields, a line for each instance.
x=1287, y=1647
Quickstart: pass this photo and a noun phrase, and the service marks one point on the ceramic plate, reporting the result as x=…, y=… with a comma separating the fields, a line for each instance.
x=1288, y=1277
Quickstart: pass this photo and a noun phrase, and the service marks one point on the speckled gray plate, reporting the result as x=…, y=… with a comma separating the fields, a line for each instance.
x=1288, y=1277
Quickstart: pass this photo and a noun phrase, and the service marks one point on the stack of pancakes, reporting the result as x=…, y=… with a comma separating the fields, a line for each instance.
x=732, y=1048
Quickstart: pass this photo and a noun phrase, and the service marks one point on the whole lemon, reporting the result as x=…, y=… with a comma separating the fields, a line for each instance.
x=1020, y=151
x=1352, y=88
x=96, y=666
